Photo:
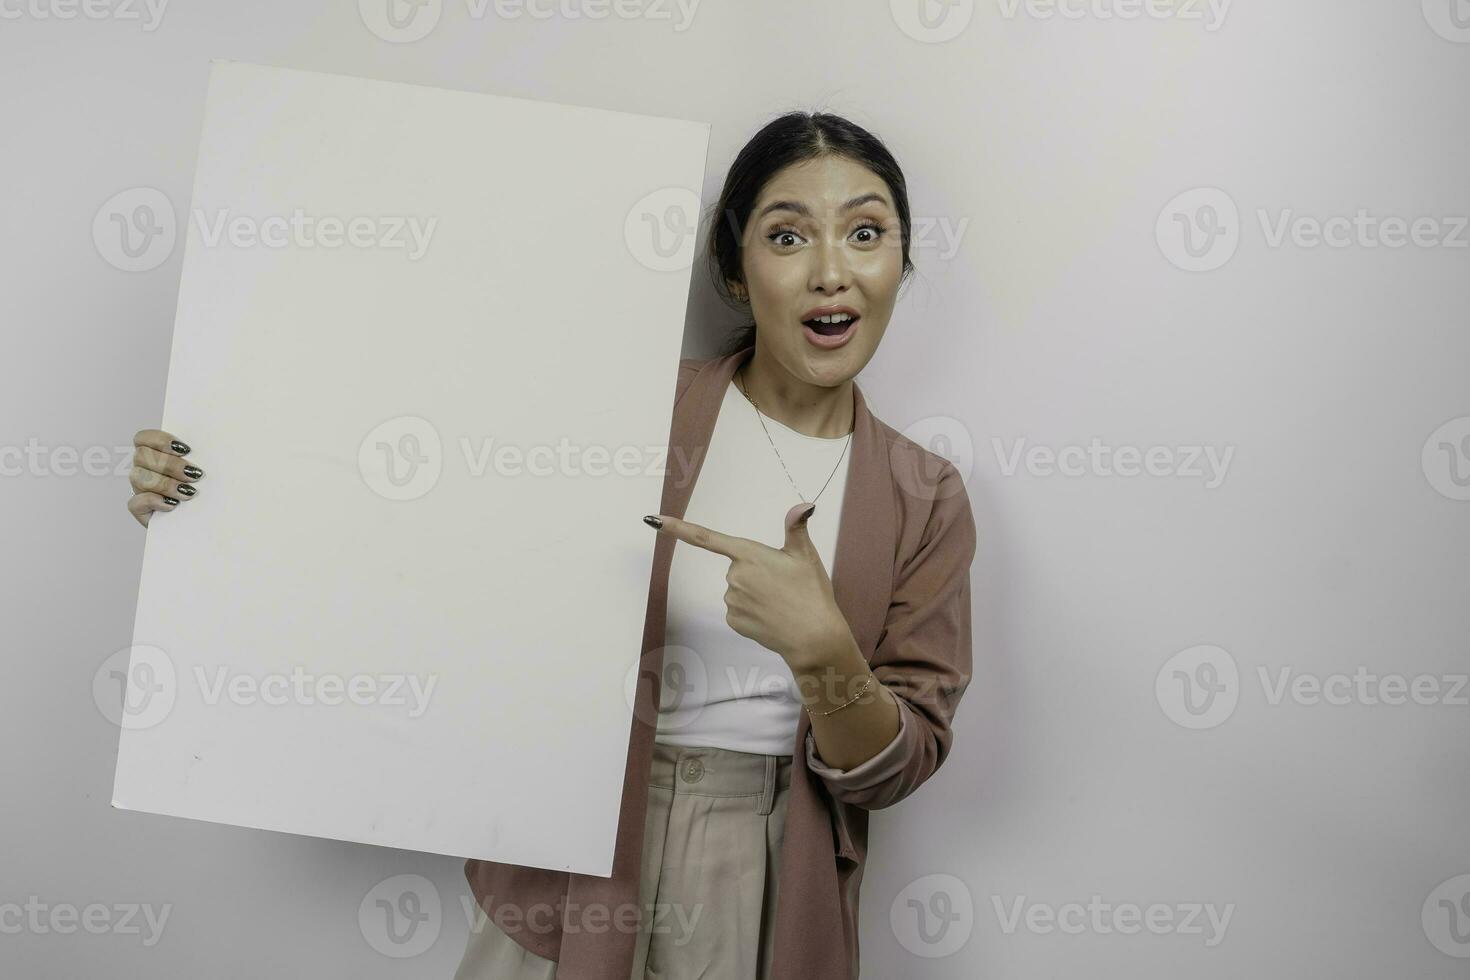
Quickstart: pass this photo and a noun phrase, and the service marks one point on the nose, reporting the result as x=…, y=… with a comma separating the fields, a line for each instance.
x=830, y=273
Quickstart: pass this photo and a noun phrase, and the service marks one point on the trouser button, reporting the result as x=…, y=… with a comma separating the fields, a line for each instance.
x=693, y=770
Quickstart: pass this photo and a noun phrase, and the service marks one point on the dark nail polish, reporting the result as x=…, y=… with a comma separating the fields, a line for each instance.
x=169, y=500
x=193, y=472
x=178, y=447
x=808, y=515
x=652, y=521
x=187, y=490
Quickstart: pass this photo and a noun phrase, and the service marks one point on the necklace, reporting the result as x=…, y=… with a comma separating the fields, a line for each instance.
x=761, y=417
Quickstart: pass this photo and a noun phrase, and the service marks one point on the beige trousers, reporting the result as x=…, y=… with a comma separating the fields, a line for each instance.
x=711, y=865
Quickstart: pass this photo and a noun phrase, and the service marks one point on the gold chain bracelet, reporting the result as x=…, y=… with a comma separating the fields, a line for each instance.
x=866, y=684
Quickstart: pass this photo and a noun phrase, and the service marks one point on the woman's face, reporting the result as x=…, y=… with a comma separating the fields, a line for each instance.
x=823, y=233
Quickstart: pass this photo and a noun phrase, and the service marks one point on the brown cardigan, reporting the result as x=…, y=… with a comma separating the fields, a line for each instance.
x=902, y=580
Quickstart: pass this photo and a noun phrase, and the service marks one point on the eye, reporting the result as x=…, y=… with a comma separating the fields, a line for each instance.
x=781, y=232
x=869, y=226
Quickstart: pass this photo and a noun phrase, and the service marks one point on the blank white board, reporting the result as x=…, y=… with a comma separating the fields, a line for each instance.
x=404, y=606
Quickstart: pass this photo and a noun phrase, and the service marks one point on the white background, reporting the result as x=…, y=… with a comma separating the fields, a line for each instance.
x=1329, y=546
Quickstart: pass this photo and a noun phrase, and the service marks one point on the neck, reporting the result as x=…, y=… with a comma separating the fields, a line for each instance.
x=813, y=410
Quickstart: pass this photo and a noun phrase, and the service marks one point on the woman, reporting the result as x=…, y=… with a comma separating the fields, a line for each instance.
x=796, y=701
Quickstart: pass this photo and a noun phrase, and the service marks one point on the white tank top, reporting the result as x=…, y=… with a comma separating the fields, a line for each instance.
x=720, y=689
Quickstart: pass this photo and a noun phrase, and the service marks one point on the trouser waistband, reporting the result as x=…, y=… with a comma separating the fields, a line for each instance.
x=707, y=771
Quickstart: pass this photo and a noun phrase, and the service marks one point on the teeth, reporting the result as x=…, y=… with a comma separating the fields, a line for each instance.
x=835, y=318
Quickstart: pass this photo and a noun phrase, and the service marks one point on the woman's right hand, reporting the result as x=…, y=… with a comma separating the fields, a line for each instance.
x=161, y=477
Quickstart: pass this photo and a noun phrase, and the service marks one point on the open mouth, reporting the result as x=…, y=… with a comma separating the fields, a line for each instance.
x=830, y=331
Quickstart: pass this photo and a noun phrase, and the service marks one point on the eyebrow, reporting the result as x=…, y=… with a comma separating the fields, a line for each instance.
x=802, y=209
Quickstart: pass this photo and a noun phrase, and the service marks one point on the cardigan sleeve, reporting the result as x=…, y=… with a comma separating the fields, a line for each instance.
x=865, y=776
x=923, y=657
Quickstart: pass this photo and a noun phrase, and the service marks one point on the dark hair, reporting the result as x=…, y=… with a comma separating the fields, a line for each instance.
x=790, y=138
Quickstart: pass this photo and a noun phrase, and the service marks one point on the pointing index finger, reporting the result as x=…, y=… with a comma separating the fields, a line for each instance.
x=701, y=536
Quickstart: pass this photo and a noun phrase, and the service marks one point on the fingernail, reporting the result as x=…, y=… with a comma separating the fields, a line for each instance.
x=187, y=490
x=193, y=472
x=178, y=447
x=169, y=500
x=810, y=511
x=652, y=521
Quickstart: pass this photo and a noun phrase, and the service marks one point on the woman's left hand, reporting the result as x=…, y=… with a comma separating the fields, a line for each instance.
x=781, y=597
